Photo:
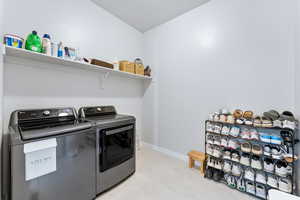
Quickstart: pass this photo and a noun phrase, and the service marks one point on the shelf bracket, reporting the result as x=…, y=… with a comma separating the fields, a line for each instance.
x=103, y=79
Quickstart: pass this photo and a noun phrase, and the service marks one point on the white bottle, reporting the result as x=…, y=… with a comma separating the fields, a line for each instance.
x=46, y=42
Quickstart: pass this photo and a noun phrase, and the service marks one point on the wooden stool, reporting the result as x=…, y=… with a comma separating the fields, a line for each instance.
x=198, y=156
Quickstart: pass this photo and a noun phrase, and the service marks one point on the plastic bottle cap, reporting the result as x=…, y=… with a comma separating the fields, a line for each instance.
x=34, y=32
x=47, y=36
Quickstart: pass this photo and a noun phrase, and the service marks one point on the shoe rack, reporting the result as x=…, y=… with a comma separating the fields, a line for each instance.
x=290, y=146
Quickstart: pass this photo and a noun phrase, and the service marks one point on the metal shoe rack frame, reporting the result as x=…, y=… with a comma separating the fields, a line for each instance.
x=294, y=141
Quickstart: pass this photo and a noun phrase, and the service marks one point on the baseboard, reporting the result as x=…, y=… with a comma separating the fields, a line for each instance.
x=166, y=151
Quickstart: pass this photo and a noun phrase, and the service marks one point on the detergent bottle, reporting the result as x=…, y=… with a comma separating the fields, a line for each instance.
x=33, y=42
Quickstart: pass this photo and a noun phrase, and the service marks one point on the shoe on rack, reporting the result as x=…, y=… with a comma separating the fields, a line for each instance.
x=218, y=164
x=272, y=115
x=231, y=181
x=209, y=149
x=288, y=119
x=277, y=152
x=265, y=137
x=227, y=166
x=233, y=144
x=275, y=139
x=246, y=147
x=217, y=175
x=254, y=134
x=225, y=130
x=211, y=162
x=269, y=165
x=267, y=150
x=209, y=173
x=250, y=188
x=223, y=118
x=245, y=134
x=249, y=174
x=256, y=162
x=234, y=131
x=217, y=128
x=210, y=139
x=266, y=122
x=285, y=185
x=248, y=116
x=272, y=181
x=210, y=127
x=257, y=121
x=257, y=149
x=224, y=142
x=217, y=152
x=241, y=185
x=227, y=155
x=217, y=140
x=277, y=123
x=261, y=177
x=216, y=117
x=230, y=119
x=236, y=170
x=235, y=157
x=281, y=168
x=245, y=159
x=261, y=191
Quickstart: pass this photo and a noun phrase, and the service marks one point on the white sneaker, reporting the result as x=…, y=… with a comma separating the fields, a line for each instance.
x=261, y=177
x=236, y=170
x=249, y=174
x=217, y=128
x=218, y=164
x=209, y=149
x=285, y=185
x=227, y=167
x=245, y=159
x=225, y=130
x=250, y=187
x=269, y=165
x=256, y=163
x=254, y=134
x=217, y=152
x=289, y=124
x=231, y=181
x=216, y=117
x=230, y=119
x=227, y=155
x=281, y=168
x=210, y=127
x=277, y=123
x=217, y=140
x=245, y=134
x=272, y=181
x=224, y=142
x=277, y=153
x=261, y=191
x=235, y=131
x=210, y=139
x=265, y=137
x=267, y=150
x=235, y=157
x=211, y=162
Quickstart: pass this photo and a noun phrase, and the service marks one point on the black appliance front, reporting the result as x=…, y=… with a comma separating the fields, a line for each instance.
x=116, y=146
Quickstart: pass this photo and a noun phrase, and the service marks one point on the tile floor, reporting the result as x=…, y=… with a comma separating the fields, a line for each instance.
x=160, y=177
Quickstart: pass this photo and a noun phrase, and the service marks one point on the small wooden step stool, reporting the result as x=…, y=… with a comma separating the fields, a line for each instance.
x=197, y=156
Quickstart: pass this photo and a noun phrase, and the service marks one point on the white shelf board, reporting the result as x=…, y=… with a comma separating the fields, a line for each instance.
x=23, y=53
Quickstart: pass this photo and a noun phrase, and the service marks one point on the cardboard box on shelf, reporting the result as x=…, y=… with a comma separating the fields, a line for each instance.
x=139, y=69
x=126, y=66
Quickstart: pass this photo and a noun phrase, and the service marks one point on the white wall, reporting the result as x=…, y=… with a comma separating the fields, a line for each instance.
x=237, y=54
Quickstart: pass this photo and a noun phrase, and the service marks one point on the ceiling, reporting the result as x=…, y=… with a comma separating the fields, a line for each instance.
x=146, y=14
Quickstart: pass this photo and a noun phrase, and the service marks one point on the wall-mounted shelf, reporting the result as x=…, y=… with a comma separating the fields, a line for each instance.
x=23, y=53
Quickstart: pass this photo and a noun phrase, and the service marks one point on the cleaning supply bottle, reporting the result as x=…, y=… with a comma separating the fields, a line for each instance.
x=46, y=42
x=60, y=50
x=33, y=42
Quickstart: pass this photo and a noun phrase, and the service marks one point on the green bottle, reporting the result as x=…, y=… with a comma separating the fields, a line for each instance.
x=33, y=42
